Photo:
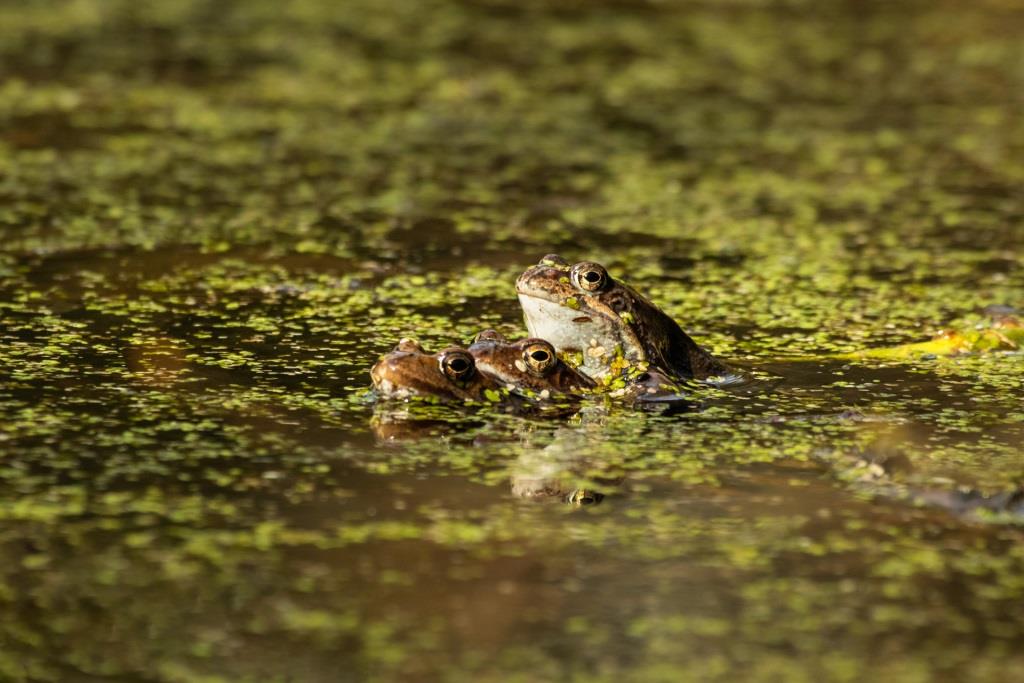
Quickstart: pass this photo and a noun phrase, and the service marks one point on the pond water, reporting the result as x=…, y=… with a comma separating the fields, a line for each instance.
x=217, y=215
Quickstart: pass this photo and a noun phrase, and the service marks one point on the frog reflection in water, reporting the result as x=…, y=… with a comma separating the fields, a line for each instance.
x=569, y=468
x=606, y=324
x=449, y=375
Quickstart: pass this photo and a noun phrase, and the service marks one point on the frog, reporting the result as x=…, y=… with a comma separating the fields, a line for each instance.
x=607, y=326
x=529, y=367
x=450, y=375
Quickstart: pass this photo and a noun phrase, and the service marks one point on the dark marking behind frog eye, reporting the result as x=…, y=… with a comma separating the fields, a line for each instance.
x=582, y=319
x=617, y=303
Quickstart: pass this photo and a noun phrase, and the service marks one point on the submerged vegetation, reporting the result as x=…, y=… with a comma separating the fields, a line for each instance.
x=216, y=215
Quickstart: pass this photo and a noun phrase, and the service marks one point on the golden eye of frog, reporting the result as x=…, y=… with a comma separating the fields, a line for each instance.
x=449, y=375
x=528, y=367
x=609, y=326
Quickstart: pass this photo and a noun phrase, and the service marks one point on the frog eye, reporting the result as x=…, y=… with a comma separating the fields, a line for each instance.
x=539, y=356
x=457, y=365
x=584, y=497
x=589, y=277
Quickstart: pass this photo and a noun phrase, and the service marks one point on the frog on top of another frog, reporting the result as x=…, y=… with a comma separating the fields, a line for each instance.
x=607, y=325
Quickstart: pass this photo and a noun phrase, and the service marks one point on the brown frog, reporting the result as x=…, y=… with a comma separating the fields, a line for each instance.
x=605, y=324
x=449, y=375
x=529, y=367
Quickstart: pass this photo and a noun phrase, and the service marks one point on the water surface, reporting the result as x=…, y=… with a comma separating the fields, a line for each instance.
x=217, y=215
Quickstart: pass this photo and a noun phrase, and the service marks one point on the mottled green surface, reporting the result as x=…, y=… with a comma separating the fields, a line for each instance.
x=216, y=214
